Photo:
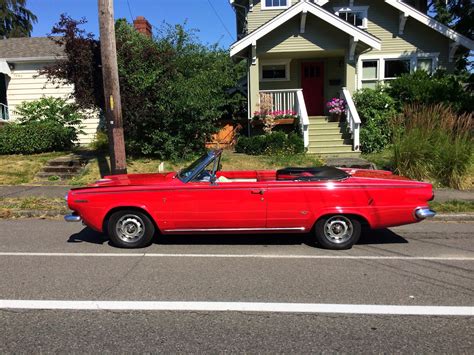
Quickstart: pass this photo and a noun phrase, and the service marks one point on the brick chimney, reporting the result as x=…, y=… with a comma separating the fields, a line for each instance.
x=143, y=26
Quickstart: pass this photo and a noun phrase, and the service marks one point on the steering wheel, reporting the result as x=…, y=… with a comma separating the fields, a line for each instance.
x=204, y=175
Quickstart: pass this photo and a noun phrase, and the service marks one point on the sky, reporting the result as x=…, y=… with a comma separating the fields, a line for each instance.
x=214, y=19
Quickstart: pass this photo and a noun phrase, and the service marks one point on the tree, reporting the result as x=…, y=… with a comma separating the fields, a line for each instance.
x=459, y=15
x=15, y=19
x=173, y=88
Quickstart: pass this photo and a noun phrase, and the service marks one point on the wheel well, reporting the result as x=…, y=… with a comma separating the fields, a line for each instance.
x=363, y=221
x=129, y=208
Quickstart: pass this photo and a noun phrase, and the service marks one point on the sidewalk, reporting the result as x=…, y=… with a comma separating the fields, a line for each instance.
x=441, y=195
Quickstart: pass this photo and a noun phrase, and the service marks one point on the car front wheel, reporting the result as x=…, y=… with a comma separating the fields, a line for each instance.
x=130, y=229
x=337, y=232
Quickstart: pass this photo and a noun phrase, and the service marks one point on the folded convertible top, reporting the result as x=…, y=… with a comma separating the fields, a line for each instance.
x=312, y=174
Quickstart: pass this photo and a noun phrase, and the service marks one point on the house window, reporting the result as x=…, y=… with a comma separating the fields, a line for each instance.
x=273, y=71
x=275, y=4
x=381, y=69
x=396, y=67
x=370, y=73
x=356, y=15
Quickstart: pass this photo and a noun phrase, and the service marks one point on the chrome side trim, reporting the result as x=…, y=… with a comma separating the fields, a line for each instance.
x=424, y=212
x=72, y=218
x=236, y=230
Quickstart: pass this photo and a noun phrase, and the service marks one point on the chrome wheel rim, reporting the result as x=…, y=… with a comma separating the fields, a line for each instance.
x=130, y=228
x=338, y=229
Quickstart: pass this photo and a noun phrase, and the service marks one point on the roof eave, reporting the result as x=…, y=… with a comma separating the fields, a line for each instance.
x=292, y=11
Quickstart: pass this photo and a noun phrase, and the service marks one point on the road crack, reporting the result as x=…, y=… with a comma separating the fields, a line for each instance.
x=121, y=279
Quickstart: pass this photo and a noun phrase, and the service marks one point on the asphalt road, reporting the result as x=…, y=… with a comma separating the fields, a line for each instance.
x=423, y=265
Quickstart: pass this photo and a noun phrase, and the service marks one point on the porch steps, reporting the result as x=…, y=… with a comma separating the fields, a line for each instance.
x=329, y=139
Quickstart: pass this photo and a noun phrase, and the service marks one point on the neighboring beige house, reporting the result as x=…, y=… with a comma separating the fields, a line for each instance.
x=20, y=61
x=303, y=53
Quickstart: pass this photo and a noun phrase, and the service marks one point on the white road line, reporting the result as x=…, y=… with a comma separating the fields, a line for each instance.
x=238, y=307
x=245, y=256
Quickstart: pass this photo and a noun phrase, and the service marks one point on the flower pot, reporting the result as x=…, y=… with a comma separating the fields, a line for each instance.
x=335, y=117
x=283, y=121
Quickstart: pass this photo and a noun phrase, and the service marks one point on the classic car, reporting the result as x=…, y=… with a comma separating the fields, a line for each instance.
x=330, y=203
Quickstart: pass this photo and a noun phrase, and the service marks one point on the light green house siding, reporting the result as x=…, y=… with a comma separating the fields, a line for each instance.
x=383, y=22
x=257, y=17
x=319, y=36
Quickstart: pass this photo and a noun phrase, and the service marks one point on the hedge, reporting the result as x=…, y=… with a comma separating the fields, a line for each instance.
x=35, y=137
x=274, y=143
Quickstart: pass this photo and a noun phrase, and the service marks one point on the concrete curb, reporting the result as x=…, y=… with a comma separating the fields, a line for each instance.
x=454, y=217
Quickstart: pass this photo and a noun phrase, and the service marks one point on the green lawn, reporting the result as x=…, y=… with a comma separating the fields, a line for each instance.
x=21, y=169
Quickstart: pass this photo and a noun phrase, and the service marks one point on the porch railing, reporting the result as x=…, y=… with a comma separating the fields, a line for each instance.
x=352, y=118
x=291, y=100
x=4, y=114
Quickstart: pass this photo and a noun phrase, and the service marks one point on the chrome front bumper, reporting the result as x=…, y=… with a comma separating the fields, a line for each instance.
x=72, y=218
x=424, y=212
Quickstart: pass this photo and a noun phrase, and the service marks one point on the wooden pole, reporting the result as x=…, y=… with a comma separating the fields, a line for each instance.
x=113, y=104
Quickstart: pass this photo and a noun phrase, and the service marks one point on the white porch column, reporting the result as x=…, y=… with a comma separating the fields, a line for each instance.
x=254, y=86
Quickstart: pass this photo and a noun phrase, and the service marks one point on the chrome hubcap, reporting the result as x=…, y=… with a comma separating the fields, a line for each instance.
x=130, y=228
x=338, y=229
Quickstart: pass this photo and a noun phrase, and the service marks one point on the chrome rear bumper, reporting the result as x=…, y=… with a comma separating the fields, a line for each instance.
x=72, y=218
x=424, y=212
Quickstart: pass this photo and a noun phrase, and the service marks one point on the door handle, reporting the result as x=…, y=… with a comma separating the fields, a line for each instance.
x=257, y=192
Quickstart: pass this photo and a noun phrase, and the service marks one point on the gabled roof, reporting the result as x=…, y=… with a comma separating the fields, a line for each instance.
x=409, y=11
x=432, y=23
x=305, y=7
x=30, y=48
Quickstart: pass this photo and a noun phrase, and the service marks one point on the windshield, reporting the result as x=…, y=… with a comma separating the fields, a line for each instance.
x=185, y=173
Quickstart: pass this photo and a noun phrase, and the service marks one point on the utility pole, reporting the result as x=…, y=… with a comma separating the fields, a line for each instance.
x=113, y=104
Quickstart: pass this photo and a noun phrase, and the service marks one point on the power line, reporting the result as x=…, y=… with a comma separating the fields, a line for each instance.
x=220, y=19
x=130, y=10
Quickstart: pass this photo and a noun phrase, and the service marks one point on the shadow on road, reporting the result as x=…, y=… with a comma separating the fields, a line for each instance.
x=89, y=236
x=382, y=236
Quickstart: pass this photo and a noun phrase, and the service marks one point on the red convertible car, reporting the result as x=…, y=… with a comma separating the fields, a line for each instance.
x=330, y=203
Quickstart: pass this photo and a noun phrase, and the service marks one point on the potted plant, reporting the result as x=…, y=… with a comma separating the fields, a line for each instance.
x=336, y=108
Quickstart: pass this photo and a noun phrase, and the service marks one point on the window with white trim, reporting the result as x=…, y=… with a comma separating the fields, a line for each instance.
x=370, y=73
x=275, y=4
x=375, y=70
x=275, y=71
x=355, y=15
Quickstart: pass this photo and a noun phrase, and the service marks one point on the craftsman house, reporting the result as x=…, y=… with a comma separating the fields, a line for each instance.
x=302, y=53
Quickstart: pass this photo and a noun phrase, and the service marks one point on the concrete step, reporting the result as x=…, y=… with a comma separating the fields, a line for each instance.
x=62, y=169
x=314, y=119
x=330, y=148
x=328, y=135
x=330, y=142
x=336, y=154
x=327, y=130
x=326, y=124
x=65, y=162
x=50, y=175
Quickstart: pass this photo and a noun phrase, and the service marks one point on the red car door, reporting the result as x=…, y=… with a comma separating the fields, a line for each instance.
x=200, y=205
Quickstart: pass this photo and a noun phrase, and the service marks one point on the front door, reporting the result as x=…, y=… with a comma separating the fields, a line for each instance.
x=312, y=82
x=227, y=206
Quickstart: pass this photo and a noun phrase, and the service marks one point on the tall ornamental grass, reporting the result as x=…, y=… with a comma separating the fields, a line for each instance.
x=433, y=143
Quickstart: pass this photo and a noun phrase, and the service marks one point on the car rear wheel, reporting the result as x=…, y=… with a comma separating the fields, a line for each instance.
x=130, y=229
x=337, y=232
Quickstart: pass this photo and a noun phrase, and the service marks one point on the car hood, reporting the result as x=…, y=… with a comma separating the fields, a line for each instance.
x=134, y=179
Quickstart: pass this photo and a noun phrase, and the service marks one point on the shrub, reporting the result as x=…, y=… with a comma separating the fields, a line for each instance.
x=53, y=110
x=433, y=142
x=173, y=88
x=271, y=144
x=375, y=108
x=423, y=88
x=35, y=137
x=101, y=142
